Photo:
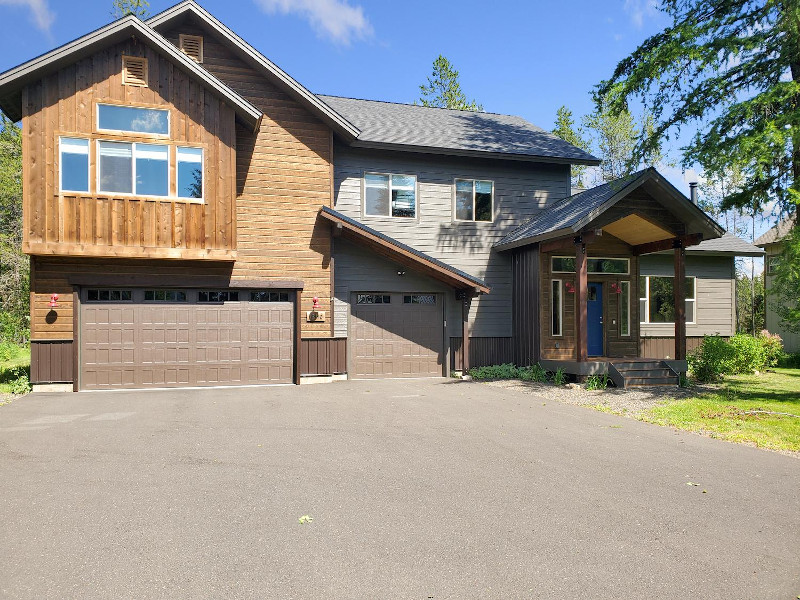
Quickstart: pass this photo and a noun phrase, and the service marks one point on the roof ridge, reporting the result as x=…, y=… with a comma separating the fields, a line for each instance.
x=455, y=110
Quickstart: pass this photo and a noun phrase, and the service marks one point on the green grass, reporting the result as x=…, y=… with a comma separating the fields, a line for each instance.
x=21, y=358
x=727, y=413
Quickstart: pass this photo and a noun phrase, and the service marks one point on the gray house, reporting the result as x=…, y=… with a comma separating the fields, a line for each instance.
x=771, y=241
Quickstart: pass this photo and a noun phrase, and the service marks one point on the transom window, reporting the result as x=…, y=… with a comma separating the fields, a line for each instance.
x=656, y=299
x=96, y=295
x=269, y=296
x=373, y=299
x=133, y=119
x=615, y=266
x=218, y=296
x=164, y=296
x=420, y=299
x=474, y=200
x=390, y=195
x=74, y=164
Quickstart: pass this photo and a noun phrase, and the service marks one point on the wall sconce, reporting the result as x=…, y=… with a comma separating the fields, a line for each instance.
x=54, y=301
x=616, y=288
x=316, y=303
x=570, y=287
x=315, y=315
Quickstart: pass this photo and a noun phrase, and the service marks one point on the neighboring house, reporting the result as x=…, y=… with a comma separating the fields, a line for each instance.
x=771, y=241
x=196, y=217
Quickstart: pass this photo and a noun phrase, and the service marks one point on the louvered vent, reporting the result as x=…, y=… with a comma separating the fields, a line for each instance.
x=134, y=71
x=192, y=46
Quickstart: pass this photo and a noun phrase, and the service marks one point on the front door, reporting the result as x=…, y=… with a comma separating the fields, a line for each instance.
x=594, y=319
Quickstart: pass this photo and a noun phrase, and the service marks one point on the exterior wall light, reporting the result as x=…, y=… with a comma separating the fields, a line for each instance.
x=54, y=301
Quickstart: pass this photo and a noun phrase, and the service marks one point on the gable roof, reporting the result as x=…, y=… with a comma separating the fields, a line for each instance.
x=260, y=62
x=416, y=128
x=13, y=80
x=727, y=245
x=570, y=215
x=405, y=254
x=777, y=233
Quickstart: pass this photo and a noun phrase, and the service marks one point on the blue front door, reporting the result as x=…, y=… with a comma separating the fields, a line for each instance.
x=594, y=318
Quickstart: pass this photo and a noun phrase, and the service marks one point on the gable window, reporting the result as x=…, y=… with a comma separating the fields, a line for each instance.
x=133, y=119
x=190, y=172
x=390, y=195
x=74, y=164
x=474, y=200
x=556, y=308
x=615, y=266
x=134, y=71
x=625, y=308
x=192, y=46
x=656, y=299
x=131, y=168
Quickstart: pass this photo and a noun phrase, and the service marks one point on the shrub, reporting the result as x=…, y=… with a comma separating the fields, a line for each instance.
x=533, y=373
x=21, y=385
x=597, y=382
x=504, y=371
x=7, y=351
x=790, y=361
x=711, y=360
x=743, y=354
x=560, y=377
x=747, y=355
x=11, y=374
x=773, y=348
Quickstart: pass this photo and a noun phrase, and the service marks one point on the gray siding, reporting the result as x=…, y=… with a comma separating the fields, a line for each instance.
x=521, y=191
x=791, y=341
x=715, y=293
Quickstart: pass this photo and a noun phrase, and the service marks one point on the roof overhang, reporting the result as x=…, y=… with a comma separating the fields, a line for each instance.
x=403, y=254
x=258, y=61
x=14, y=80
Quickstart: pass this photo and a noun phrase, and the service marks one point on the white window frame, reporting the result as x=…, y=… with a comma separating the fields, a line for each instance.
x=644, y=319
x=773, y=260
x=627, y=262
x=389, y=215
x=128, y=132
x=201, y=199
x=455, y=190
x=560, y=307
x=61, y=166
x=625, y=292
x=133, y=194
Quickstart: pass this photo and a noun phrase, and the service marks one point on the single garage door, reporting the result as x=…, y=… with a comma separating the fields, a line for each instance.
x=396, y=335
x=140, y=338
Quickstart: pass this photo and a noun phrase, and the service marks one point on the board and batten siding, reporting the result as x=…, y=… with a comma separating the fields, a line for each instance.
x=521, y=190
x=715, y=311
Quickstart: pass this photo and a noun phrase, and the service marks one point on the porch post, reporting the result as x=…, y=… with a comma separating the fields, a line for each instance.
x=581, y=298
x=679, y=298
x=466, y=301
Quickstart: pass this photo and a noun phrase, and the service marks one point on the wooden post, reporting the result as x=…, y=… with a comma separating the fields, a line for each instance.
x=466, y=301
x=298, y=335
x=581, y=299
x=679, y=298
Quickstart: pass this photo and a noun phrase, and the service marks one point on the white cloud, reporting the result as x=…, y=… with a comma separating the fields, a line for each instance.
x=41, y=13
x=335, y=19
x=639, y=9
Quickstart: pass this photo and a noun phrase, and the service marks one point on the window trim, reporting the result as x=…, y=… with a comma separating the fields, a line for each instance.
x=133, y=194
x=588, y=258
x=126, y=132
x=389, y=216
x=473, y=180
x=201, y=199
x=646, y=312
x=773, y=260
x=560, y=283
x=625, y=292
x=61, y=189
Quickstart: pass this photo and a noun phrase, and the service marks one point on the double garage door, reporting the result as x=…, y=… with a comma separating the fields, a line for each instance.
x=140, y=338
x=396, y=335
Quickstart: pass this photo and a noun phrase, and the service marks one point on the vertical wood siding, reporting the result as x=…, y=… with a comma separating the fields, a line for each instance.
x=664, y=347
x=483, y=351
x=51, y=362
x=526, y=305
x=323, y=356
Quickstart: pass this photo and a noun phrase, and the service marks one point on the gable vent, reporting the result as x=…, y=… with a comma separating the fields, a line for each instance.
x=192, y=46
x=134, y=71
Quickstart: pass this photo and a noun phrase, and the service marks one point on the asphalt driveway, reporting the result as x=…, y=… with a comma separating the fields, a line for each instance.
x=417, y=489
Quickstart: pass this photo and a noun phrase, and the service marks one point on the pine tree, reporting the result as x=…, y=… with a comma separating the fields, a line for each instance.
x=444, y=90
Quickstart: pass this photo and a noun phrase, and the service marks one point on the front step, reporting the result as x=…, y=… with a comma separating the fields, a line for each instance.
x=643, y=374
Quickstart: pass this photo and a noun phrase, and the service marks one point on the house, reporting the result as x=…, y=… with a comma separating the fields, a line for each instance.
x=196, y=217
x=771, y=242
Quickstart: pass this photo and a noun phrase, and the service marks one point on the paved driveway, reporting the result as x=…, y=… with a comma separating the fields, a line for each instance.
x=417, y=489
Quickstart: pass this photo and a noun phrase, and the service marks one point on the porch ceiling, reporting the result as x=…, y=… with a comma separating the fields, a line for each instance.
x=635, y=230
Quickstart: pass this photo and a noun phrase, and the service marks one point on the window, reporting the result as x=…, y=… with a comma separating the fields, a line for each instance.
x=218, y=296
x=164, y=296
x=109, y=295
x=614, y=266
x=190, y=172
x=420, y=299
x=373, y=299
x=656, y=303
x=269, y=296
x=134, y=71
x=474, y=200
x=129, y=168
x=625, y=308
x=772, y=264
x=133, y=119
x=74, y=164
x=390, y=195
x=557, y=308
x=192, y=46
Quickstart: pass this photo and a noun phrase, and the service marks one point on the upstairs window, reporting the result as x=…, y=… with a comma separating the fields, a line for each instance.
x=74, y=164
x=192, y=46
x=390, y=195
x=190, y=172
x=133, y=119
x=656, y=299
x=474, y=200
x=129, y=168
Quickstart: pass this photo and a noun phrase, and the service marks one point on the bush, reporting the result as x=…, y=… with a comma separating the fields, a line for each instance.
x=773, y=348
x=8, y=351
x=14, y=329
x=533, y=373
x=504, y=371
x=743, y=354
x=11, y=374
x=747, y=355
x=597, y=382
x=560, y=377
x=790, y=361
x=21, y=385
x=711, y=360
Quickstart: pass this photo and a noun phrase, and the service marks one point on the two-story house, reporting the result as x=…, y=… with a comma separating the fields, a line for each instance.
x=197, y=217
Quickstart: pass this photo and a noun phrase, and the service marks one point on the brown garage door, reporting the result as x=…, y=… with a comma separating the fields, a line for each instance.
x=396, y=335
x=139, y=338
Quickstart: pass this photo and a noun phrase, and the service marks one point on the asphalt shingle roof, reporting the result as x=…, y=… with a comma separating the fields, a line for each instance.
x=777, y=233
x=456, y=130
x=727, y=244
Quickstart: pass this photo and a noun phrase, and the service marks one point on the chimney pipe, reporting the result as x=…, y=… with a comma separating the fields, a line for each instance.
x=693, y=192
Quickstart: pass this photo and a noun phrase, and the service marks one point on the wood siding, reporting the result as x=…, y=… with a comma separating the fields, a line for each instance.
x=103, y=224
x=52, y=362
x=483, y=351
x=323, y=356
x=664, y=347
x=526, y=305
x=521, y=190
x=284, y=174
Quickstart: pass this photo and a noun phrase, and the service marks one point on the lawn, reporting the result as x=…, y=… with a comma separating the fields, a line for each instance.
x=20, y=358
x=743, y=410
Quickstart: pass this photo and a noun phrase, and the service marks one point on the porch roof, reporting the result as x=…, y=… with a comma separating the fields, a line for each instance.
x=570, y=215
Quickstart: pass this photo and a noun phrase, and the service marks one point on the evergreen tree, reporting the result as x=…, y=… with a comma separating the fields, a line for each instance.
x=444, y=90
x=566, y=129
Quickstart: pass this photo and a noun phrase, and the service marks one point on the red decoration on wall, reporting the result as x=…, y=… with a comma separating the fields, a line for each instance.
x=54, y=301
x=316, y=303
x=616, y=288
x=570, y=287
